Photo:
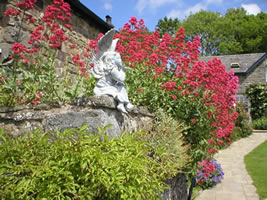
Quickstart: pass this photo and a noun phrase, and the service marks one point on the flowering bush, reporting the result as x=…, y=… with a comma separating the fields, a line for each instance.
x=167, y=74
x=209, y=173
x=32, y=78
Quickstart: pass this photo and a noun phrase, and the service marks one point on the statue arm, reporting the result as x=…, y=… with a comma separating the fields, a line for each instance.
x=117, y=75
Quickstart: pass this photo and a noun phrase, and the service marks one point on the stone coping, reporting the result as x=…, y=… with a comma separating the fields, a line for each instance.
x=93, y=101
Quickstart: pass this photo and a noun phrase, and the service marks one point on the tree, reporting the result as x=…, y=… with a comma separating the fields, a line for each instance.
x=168, y=25
x=205, y=25
x=242, y=33
x=236, y=32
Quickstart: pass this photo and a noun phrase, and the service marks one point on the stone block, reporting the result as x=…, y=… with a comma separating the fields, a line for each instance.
x=92, y=118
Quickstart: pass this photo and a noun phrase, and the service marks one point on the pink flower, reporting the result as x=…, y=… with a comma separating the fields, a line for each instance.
x=18, y=48
x=11, y=12
x=174, y=97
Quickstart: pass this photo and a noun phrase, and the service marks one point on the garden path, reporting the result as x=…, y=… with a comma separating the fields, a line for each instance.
x=237, y=184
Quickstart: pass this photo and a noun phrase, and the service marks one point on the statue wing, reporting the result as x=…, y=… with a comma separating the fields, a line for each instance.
x=105, y=43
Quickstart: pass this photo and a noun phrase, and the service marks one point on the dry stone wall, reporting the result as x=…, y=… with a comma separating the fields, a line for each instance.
x=94, y=111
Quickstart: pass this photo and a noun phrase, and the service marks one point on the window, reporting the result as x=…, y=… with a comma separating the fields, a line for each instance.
x=235, y=65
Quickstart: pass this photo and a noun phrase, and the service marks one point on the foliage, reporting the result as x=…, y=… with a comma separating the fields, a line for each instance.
x=256, y=162
x=31, y=77
x=242, y=33
x=166, y=74
x=260, y=124
x=175, y=152
x=205, y=25
x=235, y=32
x=209, y=173
x=257, y=95
x=167, y=25
x=242, y=125
x=76, y=164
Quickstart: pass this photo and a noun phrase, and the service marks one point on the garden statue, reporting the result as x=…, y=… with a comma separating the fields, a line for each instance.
x=110, y=72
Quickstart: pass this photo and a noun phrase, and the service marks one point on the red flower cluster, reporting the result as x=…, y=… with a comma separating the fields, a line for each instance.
x=58, y=11
x=170, y=86
x=37, y=98
x=207, y=81
x=52, y=34
x=11, y=12
x=18, y=48
x=26, y=4
x=221, y=87
x=207, y=167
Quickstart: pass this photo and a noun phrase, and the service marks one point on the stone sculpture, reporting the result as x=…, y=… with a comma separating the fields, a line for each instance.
x=110, y=72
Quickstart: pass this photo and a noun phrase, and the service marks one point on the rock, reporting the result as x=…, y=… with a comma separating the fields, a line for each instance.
x=178, y=188
x=93, y=118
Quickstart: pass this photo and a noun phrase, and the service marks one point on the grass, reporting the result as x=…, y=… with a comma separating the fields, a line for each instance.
x=256, y=164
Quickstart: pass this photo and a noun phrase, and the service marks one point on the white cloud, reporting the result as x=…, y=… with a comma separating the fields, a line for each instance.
x=108, y=5
x=252, y=9
x=196, y=8
x=181, y=14
x=152, y=4
x=176, y=14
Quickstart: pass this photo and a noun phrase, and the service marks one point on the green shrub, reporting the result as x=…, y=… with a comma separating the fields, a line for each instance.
x=257, y=94
x=260, y=123
x=76, y=164
x=166, y=135
x=242, y=126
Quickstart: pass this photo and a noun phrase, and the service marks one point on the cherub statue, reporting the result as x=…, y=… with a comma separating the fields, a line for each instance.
x=110, y=72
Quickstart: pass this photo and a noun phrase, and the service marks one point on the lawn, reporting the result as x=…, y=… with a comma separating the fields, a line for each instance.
x=256, y=164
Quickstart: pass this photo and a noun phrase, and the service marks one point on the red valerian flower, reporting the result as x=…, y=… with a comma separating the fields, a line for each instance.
x=68, y=26
x=72, y=46
x=18, y=48
x=26, y=4
x=174, y=97
x=100, y=35
x=212, y=150
x=11, y=12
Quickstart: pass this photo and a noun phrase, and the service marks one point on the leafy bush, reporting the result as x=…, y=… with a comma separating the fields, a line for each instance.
x=166, y=136
x=257, y=94
x=243, y=127
x=76, y=164
x=260, y=123
x=209, y=173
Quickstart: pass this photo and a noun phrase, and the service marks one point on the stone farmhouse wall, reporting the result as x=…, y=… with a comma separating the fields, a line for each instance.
x=258, y=75
x=84, y=29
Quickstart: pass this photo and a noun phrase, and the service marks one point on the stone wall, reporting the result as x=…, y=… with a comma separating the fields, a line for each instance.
x=84, y=30
x=93, y=111
x=258, y=75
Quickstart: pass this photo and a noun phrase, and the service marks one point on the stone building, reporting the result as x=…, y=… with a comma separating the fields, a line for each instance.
x=86, y=26
x=250, y=68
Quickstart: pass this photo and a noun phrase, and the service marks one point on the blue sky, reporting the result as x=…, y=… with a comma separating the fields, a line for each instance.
x=153, y=10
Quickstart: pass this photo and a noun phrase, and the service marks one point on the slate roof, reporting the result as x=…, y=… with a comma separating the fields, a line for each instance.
x=86, y=13
x=247, y=62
